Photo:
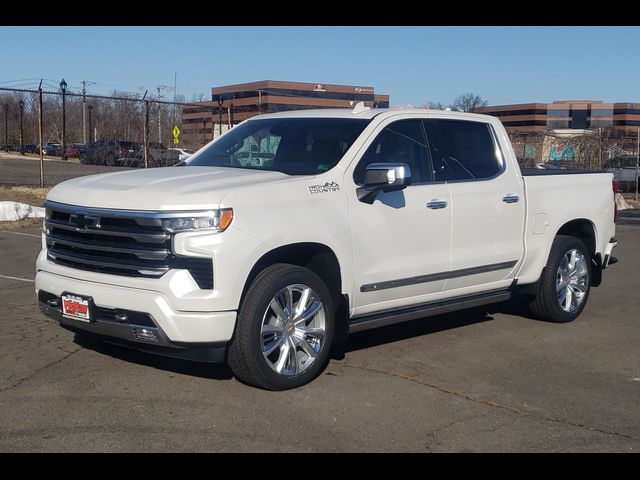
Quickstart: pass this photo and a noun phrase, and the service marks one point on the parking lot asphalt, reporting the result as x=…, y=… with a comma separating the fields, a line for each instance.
x=486, y=379
x=17, y=170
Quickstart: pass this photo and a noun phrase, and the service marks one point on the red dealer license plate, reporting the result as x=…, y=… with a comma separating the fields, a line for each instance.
x=76, y=308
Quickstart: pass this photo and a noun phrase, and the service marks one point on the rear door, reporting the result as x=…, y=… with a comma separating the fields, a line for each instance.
x=487, y=203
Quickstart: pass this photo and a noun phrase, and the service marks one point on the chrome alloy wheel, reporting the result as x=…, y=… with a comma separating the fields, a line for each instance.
x=572, y=280
x=293, y=330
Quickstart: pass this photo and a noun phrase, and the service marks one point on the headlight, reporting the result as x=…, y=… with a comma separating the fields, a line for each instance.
x=216, y=220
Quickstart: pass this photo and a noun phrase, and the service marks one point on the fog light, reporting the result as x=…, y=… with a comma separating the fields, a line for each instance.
x=146, y=334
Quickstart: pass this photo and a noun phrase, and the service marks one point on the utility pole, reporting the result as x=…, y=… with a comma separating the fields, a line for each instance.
x=175, y=81
x=159, y=126
x=84, y=110
x=160, y=88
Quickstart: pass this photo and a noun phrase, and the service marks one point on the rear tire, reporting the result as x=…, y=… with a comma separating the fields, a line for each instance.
x=273, y=346
x=565, y=282
x=110, y=160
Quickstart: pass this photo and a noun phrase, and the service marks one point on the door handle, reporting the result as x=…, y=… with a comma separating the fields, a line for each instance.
x=437, y=204
x=510, y=198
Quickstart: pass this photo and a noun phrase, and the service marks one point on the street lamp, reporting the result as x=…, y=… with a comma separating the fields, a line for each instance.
x=6, y=127
x=90, y=108
x=204, y=130
x=220, y=113
x=21, y=105
x=63, y=88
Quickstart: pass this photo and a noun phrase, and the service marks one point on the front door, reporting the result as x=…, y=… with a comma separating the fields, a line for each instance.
x=401, y=242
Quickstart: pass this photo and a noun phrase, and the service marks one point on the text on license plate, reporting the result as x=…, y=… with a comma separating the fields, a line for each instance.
x=76, y=308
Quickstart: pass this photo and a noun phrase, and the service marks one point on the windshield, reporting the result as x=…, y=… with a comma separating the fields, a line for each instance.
x=294, y=146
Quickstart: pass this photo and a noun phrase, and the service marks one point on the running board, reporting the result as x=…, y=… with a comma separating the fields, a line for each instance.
x=406, y=314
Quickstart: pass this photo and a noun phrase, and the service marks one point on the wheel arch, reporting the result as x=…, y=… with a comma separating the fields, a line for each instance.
x=320, y=259
x=585, y=230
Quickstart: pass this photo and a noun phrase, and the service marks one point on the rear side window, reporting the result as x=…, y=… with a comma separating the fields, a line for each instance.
x=461, y=150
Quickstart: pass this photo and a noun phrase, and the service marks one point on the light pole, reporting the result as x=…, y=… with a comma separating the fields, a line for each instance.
x=21, y=105
x=204, y=130
x=63, y=87
x=6, y=127
x=220, y=114
x=637, y=161
x=90, y=109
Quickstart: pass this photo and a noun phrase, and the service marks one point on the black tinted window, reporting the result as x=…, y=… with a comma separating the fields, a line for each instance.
x=400, y=142
x=295, y=146
x=461, y=150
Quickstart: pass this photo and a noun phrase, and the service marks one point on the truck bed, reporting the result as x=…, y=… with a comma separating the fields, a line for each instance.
x=532, y=172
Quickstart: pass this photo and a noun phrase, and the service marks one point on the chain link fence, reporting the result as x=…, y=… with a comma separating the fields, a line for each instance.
x=605, y=148
x=48, y=137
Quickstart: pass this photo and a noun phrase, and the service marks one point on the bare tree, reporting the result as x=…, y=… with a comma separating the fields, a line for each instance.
x=527, y=147
x=434, y=105
x=467, y=102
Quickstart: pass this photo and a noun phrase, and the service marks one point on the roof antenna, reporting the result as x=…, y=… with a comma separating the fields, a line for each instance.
x=359, y=108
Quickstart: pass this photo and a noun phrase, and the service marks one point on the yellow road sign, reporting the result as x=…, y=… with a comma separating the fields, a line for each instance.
x=176, y=132
x=176, y=141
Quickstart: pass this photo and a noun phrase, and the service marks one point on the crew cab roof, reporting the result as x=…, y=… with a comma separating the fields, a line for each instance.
x=370, y=113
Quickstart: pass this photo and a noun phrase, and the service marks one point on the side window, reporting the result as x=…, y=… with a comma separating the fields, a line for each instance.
x=461, y=150
x=400, y=142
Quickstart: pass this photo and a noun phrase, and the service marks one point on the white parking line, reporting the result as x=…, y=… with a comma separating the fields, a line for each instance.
x=17, y=278
x=20, y=233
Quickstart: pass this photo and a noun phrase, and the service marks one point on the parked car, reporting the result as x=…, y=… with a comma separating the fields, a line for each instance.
x=111, y=153
x=161, y=156
x=7, y=147
x=30, y=148
x=339, y=221
x=624, y=170
x=52, y=149
x=183, y=153
x=75, y=150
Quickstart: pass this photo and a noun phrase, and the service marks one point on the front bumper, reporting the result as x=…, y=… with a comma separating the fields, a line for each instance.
x=169, y=326
x=131, y=334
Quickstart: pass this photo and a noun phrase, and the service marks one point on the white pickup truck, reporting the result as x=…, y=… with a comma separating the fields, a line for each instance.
x=294, y=229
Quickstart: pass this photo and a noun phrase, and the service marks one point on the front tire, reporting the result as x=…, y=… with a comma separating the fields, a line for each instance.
x=565, y=283
x=284, y=330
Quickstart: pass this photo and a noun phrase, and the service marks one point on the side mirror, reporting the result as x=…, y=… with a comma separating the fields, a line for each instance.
x=383, y=177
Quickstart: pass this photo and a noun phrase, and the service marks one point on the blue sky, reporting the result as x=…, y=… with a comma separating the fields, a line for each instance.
x=412, y=64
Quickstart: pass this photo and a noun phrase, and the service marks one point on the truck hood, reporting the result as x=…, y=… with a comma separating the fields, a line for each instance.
x=171, y=188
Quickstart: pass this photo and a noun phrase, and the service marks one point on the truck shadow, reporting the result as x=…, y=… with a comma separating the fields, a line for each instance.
x=214, y=371
x=356, y=341
x=427, y=325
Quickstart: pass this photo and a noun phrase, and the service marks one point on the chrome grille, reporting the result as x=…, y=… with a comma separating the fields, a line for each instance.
x=117, y=242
